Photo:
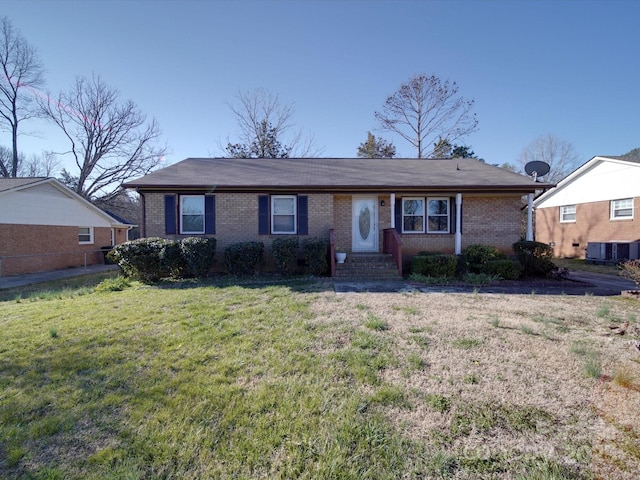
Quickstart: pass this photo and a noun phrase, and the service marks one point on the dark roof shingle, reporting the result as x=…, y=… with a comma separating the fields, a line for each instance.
x=335, y=174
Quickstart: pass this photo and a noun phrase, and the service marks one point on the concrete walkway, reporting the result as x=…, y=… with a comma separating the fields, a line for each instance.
x=578, y=283
x=14, y=281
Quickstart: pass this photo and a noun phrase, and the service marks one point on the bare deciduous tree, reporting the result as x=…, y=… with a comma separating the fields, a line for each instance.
x=22, y=71
x=560, y=154
x=266, y=128
x=424, y=110
x=111, y=140
x=44, y=165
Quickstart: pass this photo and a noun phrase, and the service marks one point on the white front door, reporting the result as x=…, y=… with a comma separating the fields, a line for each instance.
x=365, y=224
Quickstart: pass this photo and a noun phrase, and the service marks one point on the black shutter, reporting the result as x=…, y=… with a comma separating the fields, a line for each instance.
x=263, y=214
x=170, y=214
x=398, y=215
x=303, y=215
x=210, y=214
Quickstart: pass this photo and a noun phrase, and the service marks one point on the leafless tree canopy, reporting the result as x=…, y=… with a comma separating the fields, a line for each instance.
x=46, y=164
x=266, y=125
x=22, y=71
x=425, y=109
x=558, y=153
x=111, y=140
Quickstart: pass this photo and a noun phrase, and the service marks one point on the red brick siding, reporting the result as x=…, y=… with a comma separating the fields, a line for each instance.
x=490, y=220
x=237, y=220
x=37, y=248
x=593, y=224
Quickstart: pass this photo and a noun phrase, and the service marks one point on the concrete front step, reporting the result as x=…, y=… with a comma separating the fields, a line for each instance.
x=365, y=266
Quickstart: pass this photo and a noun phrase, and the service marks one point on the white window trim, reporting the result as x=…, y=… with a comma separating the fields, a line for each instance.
x=613, y=209
x=437, y=232
x=295, y=214
x=563, y=213
x=90, y=241
x=424, y=215
x=189, y=232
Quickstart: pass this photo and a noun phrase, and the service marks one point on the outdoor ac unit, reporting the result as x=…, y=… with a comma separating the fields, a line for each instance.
x=613, y=251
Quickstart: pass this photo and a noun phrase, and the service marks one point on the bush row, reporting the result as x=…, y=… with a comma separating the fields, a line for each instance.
x=530, y=259
x=151, y=259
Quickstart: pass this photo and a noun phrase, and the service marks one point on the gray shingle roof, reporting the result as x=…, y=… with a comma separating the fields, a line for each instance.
x=11, y=183
x=335, y=174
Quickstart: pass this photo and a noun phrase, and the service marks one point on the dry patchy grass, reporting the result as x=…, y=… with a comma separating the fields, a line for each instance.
x=283, y=381
x=504, y=380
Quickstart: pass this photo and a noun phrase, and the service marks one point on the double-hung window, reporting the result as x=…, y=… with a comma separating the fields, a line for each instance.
x=283, y=214
x=435, y=218
x=192, y=214
x=412, y=215
x=622, y=208
x=85, y=234
x=438, y=212
x=567, y=213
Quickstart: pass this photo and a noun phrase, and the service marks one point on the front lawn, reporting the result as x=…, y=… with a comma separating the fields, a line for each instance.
x=196, y=381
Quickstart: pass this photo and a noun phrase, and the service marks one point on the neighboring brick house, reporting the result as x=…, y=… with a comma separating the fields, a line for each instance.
x=596, y=204
x=366, y=205
x=46, y=226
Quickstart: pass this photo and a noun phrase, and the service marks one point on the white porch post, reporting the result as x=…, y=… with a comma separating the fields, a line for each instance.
x=458, y=223
x=530, y=217
x=392, y=205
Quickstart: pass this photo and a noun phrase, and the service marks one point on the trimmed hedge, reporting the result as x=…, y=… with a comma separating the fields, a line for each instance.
x=285, y=254
x=535, y=258
x=315, y=252
x=173, y=262
x=141, y=258
x=505, y=269
x=151, y=259
x=243, y=258
x=199, y=254
x=477, y=257
x=435, y=265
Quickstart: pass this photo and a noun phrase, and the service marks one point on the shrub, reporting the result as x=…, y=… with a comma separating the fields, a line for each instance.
x=631, y=270
x=243, y=258
x=285, y=254
x=535, y=258
x=198, y=255
x=505, y=269
x=439, y=265
x=141, y=258
x=171, y=258
x=477, y=257
x=315, y=252
x=116, y=284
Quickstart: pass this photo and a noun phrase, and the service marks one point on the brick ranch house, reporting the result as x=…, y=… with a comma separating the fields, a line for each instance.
x=396, y=206
x=595, y=208
x=46, y=226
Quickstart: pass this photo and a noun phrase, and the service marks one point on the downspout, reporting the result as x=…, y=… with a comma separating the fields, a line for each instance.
x=458, y=224
x=530, y=217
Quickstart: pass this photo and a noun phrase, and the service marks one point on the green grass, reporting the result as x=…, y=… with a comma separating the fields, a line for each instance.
x=186, y=383
x=581, y=265
x=111, y=379
x=466, y=343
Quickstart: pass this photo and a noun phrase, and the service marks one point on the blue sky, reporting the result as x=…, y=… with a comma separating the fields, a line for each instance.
x=569, y=68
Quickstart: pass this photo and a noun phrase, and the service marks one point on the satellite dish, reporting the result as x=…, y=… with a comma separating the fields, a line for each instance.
x=537, y=169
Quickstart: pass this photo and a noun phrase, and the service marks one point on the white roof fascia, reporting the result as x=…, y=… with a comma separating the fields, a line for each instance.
x=71, y=194
x=580, y=171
